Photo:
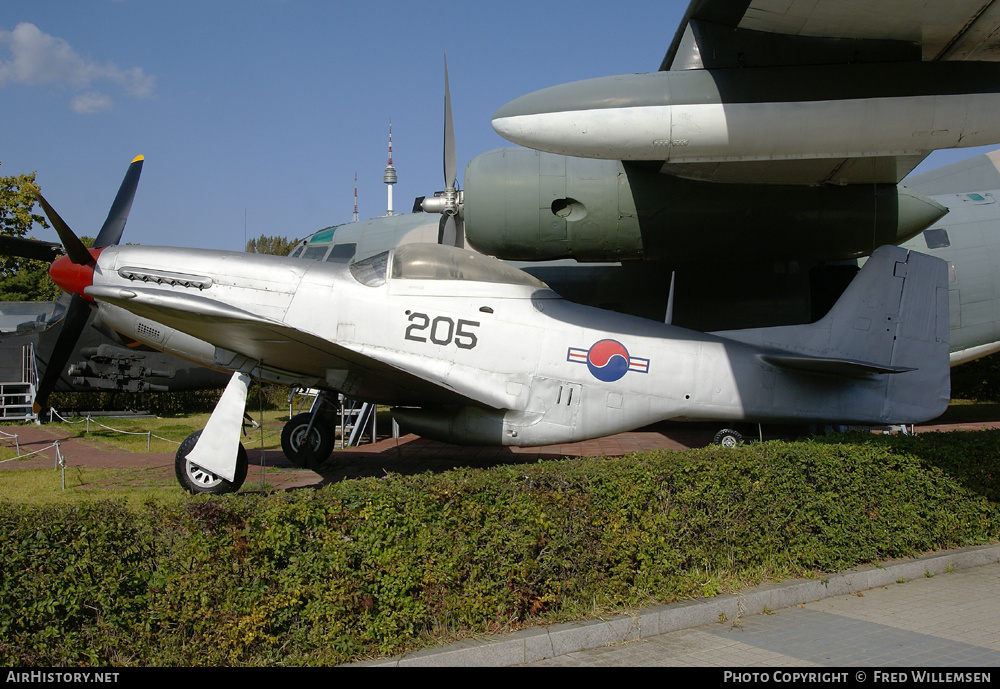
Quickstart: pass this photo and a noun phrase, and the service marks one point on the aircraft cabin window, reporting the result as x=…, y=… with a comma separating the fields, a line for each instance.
x=936, y=239
x=315, y=253
x=342, y=253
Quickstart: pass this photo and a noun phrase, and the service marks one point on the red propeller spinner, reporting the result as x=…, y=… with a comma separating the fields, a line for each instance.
x=73, y=277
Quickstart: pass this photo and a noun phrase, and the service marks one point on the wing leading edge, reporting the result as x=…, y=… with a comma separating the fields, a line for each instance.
x=265, y=340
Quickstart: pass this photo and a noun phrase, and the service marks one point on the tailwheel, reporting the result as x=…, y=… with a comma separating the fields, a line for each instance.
x=195, y=479
x=728, y=437
x=306, y=446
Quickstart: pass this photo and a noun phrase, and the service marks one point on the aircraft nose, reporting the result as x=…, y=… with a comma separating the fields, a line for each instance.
x=74, y=277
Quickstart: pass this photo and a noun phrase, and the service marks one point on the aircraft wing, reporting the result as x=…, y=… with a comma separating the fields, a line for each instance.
x=734, y=34
x=267, y=340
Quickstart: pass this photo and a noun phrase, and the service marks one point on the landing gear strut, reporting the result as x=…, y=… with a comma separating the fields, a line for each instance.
x=307, y=439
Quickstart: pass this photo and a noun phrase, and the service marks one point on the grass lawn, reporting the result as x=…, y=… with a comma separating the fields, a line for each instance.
x=141, y=483
x=967, y=411
x=165, y=433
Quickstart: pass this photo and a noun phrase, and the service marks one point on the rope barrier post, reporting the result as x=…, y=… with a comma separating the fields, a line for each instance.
x=17, y=445
x=260, y=407
x=149, y=437
x=60, y=463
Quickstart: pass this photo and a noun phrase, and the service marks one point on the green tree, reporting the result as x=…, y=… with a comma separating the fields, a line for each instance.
x=17, y=205
x=276, y=246
x=22, y=279
x=30, y=283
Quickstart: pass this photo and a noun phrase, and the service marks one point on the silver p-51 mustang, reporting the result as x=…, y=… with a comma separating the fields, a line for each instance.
x=471, y=350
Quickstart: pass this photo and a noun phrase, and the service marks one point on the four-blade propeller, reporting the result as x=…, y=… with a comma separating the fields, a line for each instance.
x=75, y=271
x=449, y=204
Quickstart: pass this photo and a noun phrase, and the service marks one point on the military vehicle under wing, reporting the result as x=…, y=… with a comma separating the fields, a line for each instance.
x=469, y=349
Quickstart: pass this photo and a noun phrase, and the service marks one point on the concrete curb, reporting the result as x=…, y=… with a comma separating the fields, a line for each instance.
x=530, y=645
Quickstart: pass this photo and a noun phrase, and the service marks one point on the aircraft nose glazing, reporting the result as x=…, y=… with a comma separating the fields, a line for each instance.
x=74, y=277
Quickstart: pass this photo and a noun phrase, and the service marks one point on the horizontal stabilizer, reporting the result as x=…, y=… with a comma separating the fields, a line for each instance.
x=830, y=366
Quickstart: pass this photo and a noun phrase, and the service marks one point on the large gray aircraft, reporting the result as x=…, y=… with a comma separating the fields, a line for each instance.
x=767, y=152
x=685, y=163
x=967, y=237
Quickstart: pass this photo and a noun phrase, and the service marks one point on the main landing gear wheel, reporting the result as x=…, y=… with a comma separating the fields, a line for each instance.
x=728, y=437
x=310, y=450
x=196, y=480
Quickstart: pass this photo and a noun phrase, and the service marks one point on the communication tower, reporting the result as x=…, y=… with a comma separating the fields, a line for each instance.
x=355, y=218
x=390, y=172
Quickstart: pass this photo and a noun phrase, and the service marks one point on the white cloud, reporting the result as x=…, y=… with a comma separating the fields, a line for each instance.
x=90, y=102
x=37, y=58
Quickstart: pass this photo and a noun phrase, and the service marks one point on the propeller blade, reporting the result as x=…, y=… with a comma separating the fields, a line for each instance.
x=75, y=249
x=25, y=247
x=73, y=324
x=448, y=231
x=450, y=162
x=111, y=231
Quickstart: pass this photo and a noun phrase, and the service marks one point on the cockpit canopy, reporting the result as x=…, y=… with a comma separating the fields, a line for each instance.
x=438, y=262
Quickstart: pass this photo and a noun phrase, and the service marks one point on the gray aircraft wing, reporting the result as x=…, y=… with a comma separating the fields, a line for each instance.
x=734, y=34
x=267, y=340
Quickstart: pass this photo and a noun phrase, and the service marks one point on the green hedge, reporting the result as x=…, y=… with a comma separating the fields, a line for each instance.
x=260, y=395
x=379, y=566
x=977, y=380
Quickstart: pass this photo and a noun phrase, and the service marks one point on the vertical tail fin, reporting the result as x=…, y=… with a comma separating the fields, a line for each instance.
x=890, y=325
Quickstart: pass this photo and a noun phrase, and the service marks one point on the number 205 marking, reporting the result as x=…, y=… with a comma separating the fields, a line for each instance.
x=441, y=331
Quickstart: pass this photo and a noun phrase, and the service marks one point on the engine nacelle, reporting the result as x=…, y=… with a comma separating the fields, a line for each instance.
x=526, y=205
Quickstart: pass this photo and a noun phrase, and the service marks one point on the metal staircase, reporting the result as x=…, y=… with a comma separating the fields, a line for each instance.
x=355, y=417
x=16, y=397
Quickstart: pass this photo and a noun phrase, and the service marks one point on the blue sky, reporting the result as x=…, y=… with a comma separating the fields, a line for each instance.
x=254, y=116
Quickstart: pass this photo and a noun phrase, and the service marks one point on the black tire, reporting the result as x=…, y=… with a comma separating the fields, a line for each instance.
x=196, y=480
x=316, y=450
x=728, y=437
